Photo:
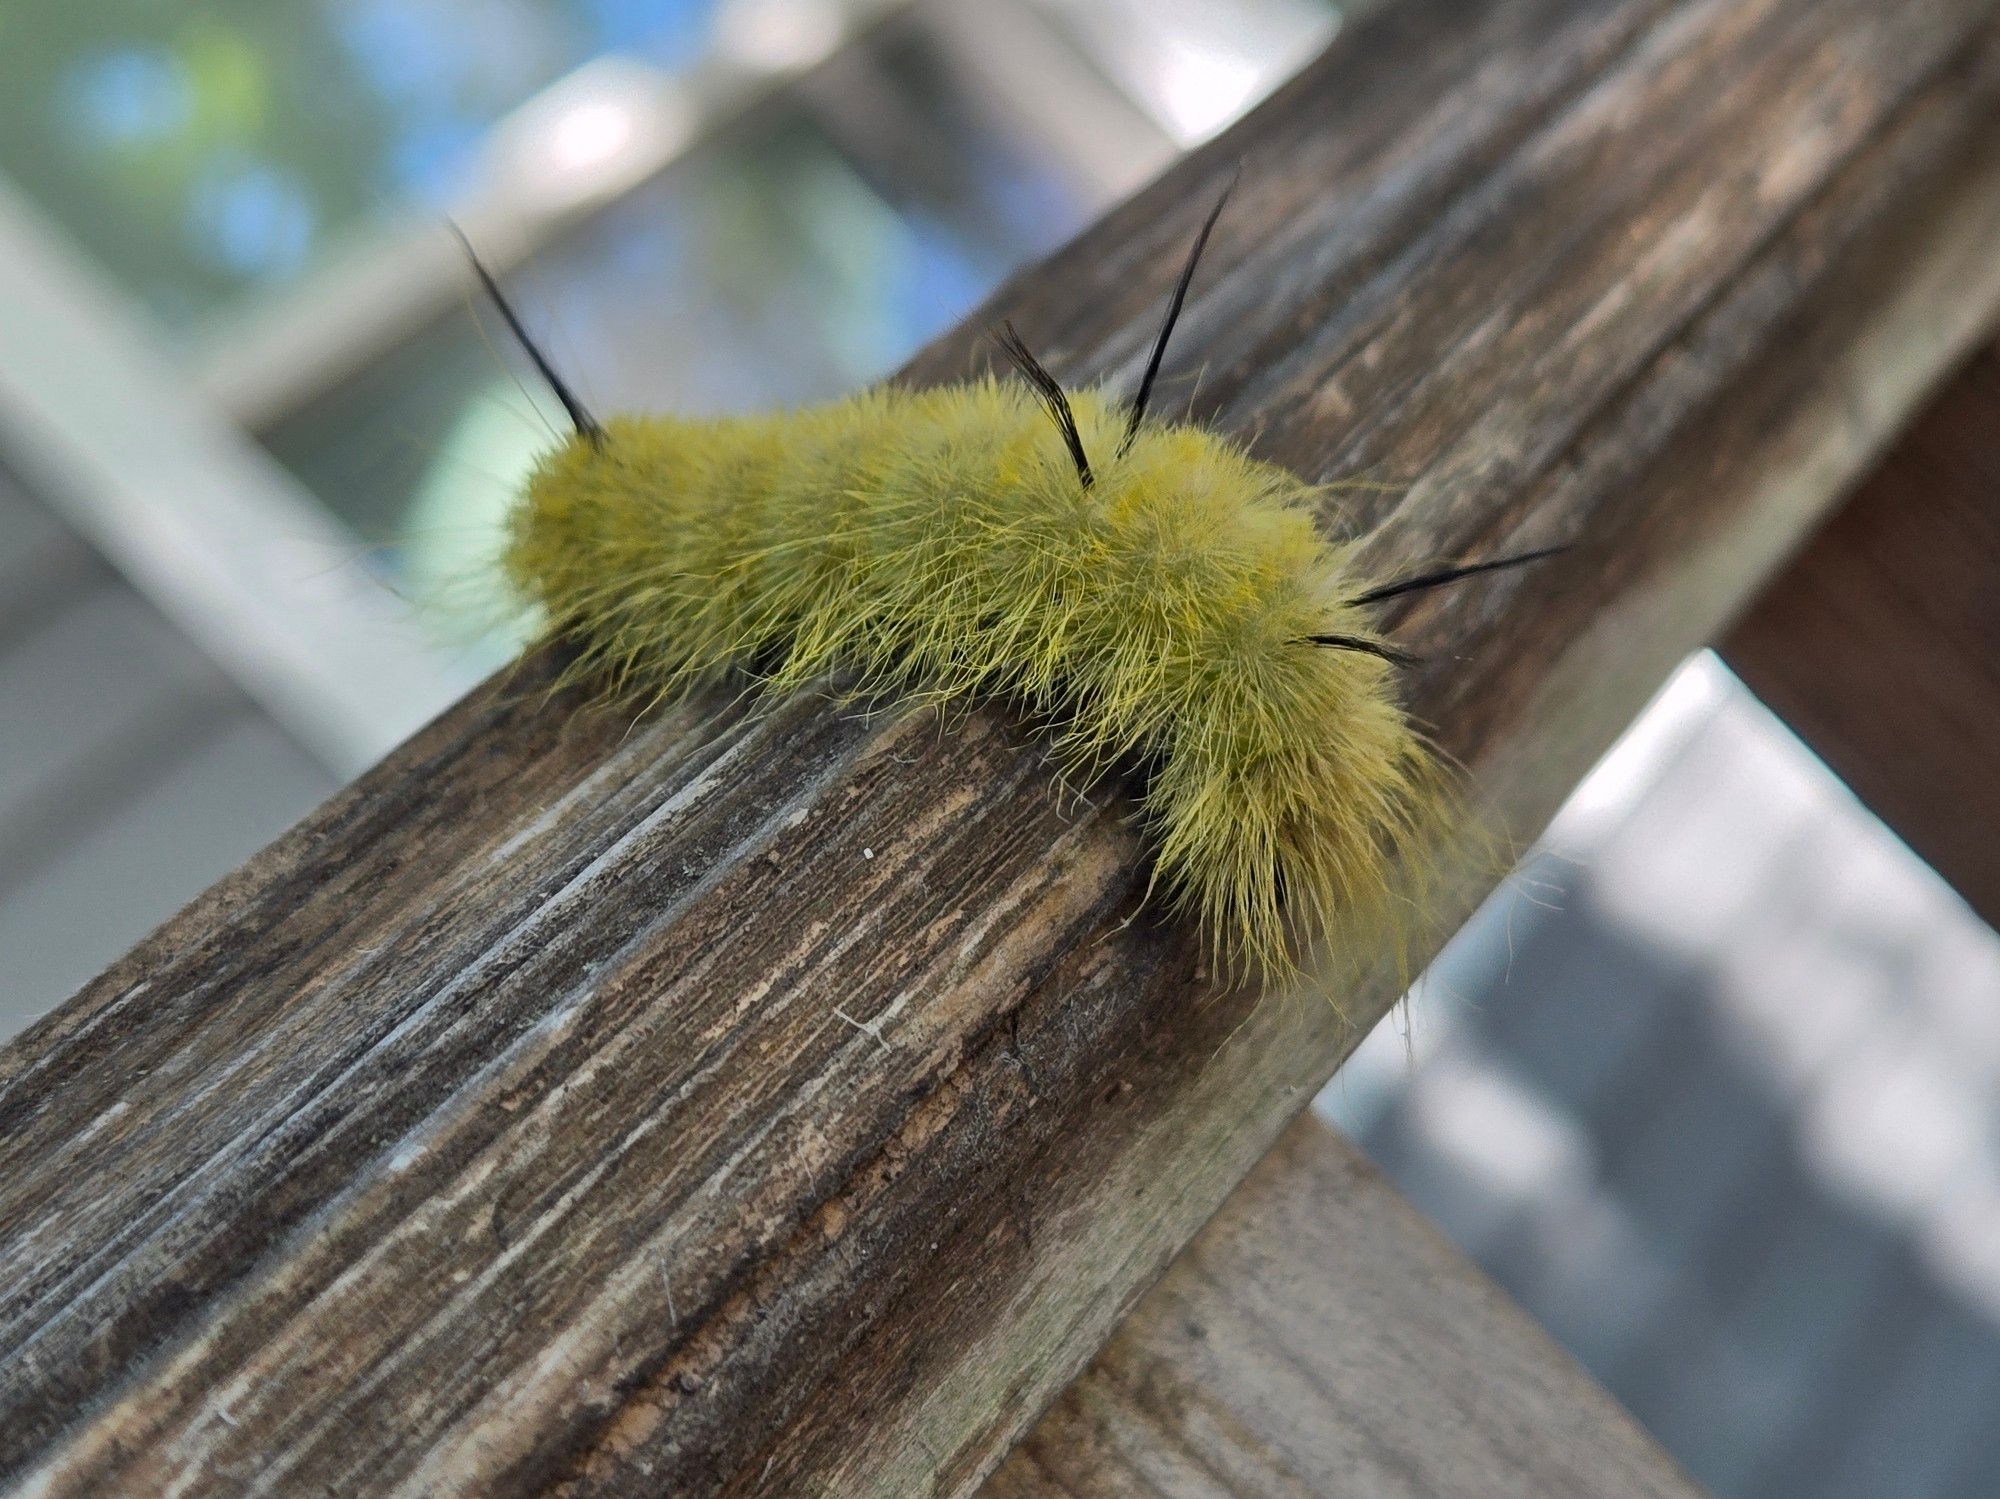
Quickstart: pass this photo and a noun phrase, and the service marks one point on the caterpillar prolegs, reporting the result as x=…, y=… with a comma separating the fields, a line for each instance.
x=1145, y=588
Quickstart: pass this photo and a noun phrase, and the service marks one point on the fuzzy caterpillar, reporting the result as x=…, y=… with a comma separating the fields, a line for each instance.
x=1176, y=604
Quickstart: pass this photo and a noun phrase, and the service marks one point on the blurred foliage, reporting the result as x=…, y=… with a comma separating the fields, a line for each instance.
x=200, y=150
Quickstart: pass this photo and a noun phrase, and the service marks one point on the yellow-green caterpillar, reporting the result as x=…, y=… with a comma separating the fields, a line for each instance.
x=1173, y=602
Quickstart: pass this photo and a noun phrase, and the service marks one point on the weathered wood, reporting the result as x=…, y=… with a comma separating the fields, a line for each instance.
x=1319, y=1336
x=1880, y=644
x=568, y=1106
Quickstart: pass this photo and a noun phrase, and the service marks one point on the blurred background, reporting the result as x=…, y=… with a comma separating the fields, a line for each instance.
x=1709, y=1086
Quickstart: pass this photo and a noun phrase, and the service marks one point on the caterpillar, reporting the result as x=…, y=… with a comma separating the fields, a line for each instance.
x=1144, y=588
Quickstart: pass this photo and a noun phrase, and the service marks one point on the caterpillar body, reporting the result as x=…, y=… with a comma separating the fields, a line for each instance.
x=1177, y=605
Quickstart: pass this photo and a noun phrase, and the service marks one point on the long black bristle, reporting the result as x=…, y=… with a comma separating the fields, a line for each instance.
x=1368, y=647
x=1136, y=413
x=1446, y=575
x=580, y=417
x=1052, y=394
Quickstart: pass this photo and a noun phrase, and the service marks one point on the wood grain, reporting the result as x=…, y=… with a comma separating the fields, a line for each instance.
x=1880, y=643
x=1319, y=1336
x=570, y=1107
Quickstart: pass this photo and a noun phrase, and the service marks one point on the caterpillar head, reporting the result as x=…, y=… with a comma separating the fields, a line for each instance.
x=1296, y=798
x=1289, y=783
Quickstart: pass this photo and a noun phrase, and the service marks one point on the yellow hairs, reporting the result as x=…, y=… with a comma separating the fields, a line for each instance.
x=1180, y=607
x=1172, y=602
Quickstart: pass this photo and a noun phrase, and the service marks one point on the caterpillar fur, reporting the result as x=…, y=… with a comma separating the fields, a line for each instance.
x=1171, y=602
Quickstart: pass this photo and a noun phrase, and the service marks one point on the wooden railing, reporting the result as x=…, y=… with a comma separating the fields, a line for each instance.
x=794, y=1104
x=1319, y=1337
